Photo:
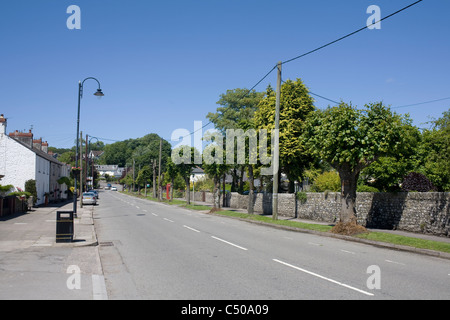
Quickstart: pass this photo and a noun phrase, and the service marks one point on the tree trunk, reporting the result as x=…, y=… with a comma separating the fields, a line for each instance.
x=171, y=189
x=348, y=195
x=224, y=195
x=188, y=190
x=250, y=191
x=216, y=196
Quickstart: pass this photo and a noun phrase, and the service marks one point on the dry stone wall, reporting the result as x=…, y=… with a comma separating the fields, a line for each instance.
x=422, y=212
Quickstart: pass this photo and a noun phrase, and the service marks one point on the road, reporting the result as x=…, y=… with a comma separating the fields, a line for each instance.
x=150, y=250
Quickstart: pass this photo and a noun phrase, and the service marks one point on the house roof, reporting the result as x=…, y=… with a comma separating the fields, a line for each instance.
x=40, y=153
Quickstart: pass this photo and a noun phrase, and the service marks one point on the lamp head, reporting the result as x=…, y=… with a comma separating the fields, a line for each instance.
x=99, y=93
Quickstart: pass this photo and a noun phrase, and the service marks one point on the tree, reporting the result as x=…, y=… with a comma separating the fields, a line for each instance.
x=171, y=172
x=295, y=106
x=387, y=173
x=144, y=175
x=236, y=111
x=215, y=169
x=350, y=139
x=183, y=157
x=434, y=153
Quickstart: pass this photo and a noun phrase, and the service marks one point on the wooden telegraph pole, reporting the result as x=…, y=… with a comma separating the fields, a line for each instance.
x=276, y=149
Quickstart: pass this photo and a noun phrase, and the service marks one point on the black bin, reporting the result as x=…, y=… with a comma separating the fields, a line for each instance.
x=64, y=226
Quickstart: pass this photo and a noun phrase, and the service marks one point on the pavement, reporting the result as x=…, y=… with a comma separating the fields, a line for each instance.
x=37, y=228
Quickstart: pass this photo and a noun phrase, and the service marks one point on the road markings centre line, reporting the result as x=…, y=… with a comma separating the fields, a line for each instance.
x=324, y=278
x=190, y=228
x=232, y=244
x=154, y=214
x=394, y=262
x=168, y=220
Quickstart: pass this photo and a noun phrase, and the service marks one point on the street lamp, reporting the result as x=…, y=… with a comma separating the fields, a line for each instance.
x=92, y=160
x=98, y=94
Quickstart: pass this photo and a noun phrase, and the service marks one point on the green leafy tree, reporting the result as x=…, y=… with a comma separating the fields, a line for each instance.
x=295, y=106
x=350, y=139
x=215, y=169
x=171, y=172
x=144, y=176
x=434, y=153
x=183, y=157
x=387, y=173
x=236, y=111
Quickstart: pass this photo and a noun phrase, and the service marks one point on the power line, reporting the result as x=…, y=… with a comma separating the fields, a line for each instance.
x=350, y=34
x=314, y=94
x=420, y=103
x=243, y=96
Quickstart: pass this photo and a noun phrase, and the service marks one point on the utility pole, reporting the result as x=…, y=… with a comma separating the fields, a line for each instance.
x=154, y=177
x=81, y=169
x=276, y=149
x=159, y=171
x=133, y=177
x=86, y=162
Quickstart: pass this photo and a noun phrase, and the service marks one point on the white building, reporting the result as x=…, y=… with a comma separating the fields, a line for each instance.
x=112, y=170
x=22, y=159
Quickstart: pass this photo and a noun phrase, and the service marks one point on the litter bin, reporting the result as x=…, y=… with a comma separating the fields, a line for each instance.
x=64, y=226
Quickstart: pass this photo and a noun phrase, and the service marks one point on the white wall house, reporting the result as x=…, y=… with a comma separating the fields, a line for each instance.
x=111, y=170
x=21, y=161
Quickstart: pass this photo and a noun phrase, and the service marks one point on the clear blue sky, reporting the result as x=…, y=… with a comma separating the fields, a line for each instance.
x=163, y=64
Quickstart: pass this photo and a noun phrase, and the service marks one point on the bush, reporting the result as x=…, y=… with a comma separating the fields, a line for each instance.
x=364, y=188
x=415, y=181
x=30, y=186
x=327, y=181
x=301, y=197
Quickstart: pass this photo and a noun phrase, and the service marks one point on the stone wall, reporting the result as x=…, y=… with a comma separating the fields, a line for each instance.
x=424, y=212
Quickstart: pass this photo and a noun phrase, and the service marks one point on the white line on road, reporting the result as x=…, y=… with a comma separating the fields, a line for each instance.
x=351, y=252
x=154, y=214
x=390, y=261
x=324, y=278
x=99, y=287
x=190, y=228
x=232, y=244
x=168, y=220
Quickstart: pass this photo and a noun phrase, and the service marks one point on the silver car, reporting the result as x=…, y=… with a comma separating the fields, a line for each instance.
x=89, y=198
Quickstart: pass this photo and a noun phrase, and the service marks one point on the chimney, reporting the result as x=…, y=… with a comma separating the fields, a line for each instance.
x=37, y=144
x=2, y=124
x=45, y=146
x=26, y=138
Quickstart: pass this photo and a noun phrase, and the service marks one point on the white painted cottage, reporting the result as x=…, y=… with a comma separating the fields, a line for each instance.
x=22, y=158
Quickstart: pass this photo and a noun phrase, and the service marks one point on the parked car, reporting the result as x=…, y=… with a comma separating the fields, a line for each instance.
x=113, y=189
x=94, y=192
x=89, y=198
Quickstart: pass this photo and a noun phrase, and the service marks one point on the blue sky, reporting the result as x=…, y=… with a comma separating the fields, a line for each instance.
x=163, y=64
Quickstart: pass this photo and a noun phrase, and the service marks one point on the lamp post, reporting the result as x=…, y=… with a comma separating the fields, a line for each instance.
x=99, y=94
x=92, y=160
